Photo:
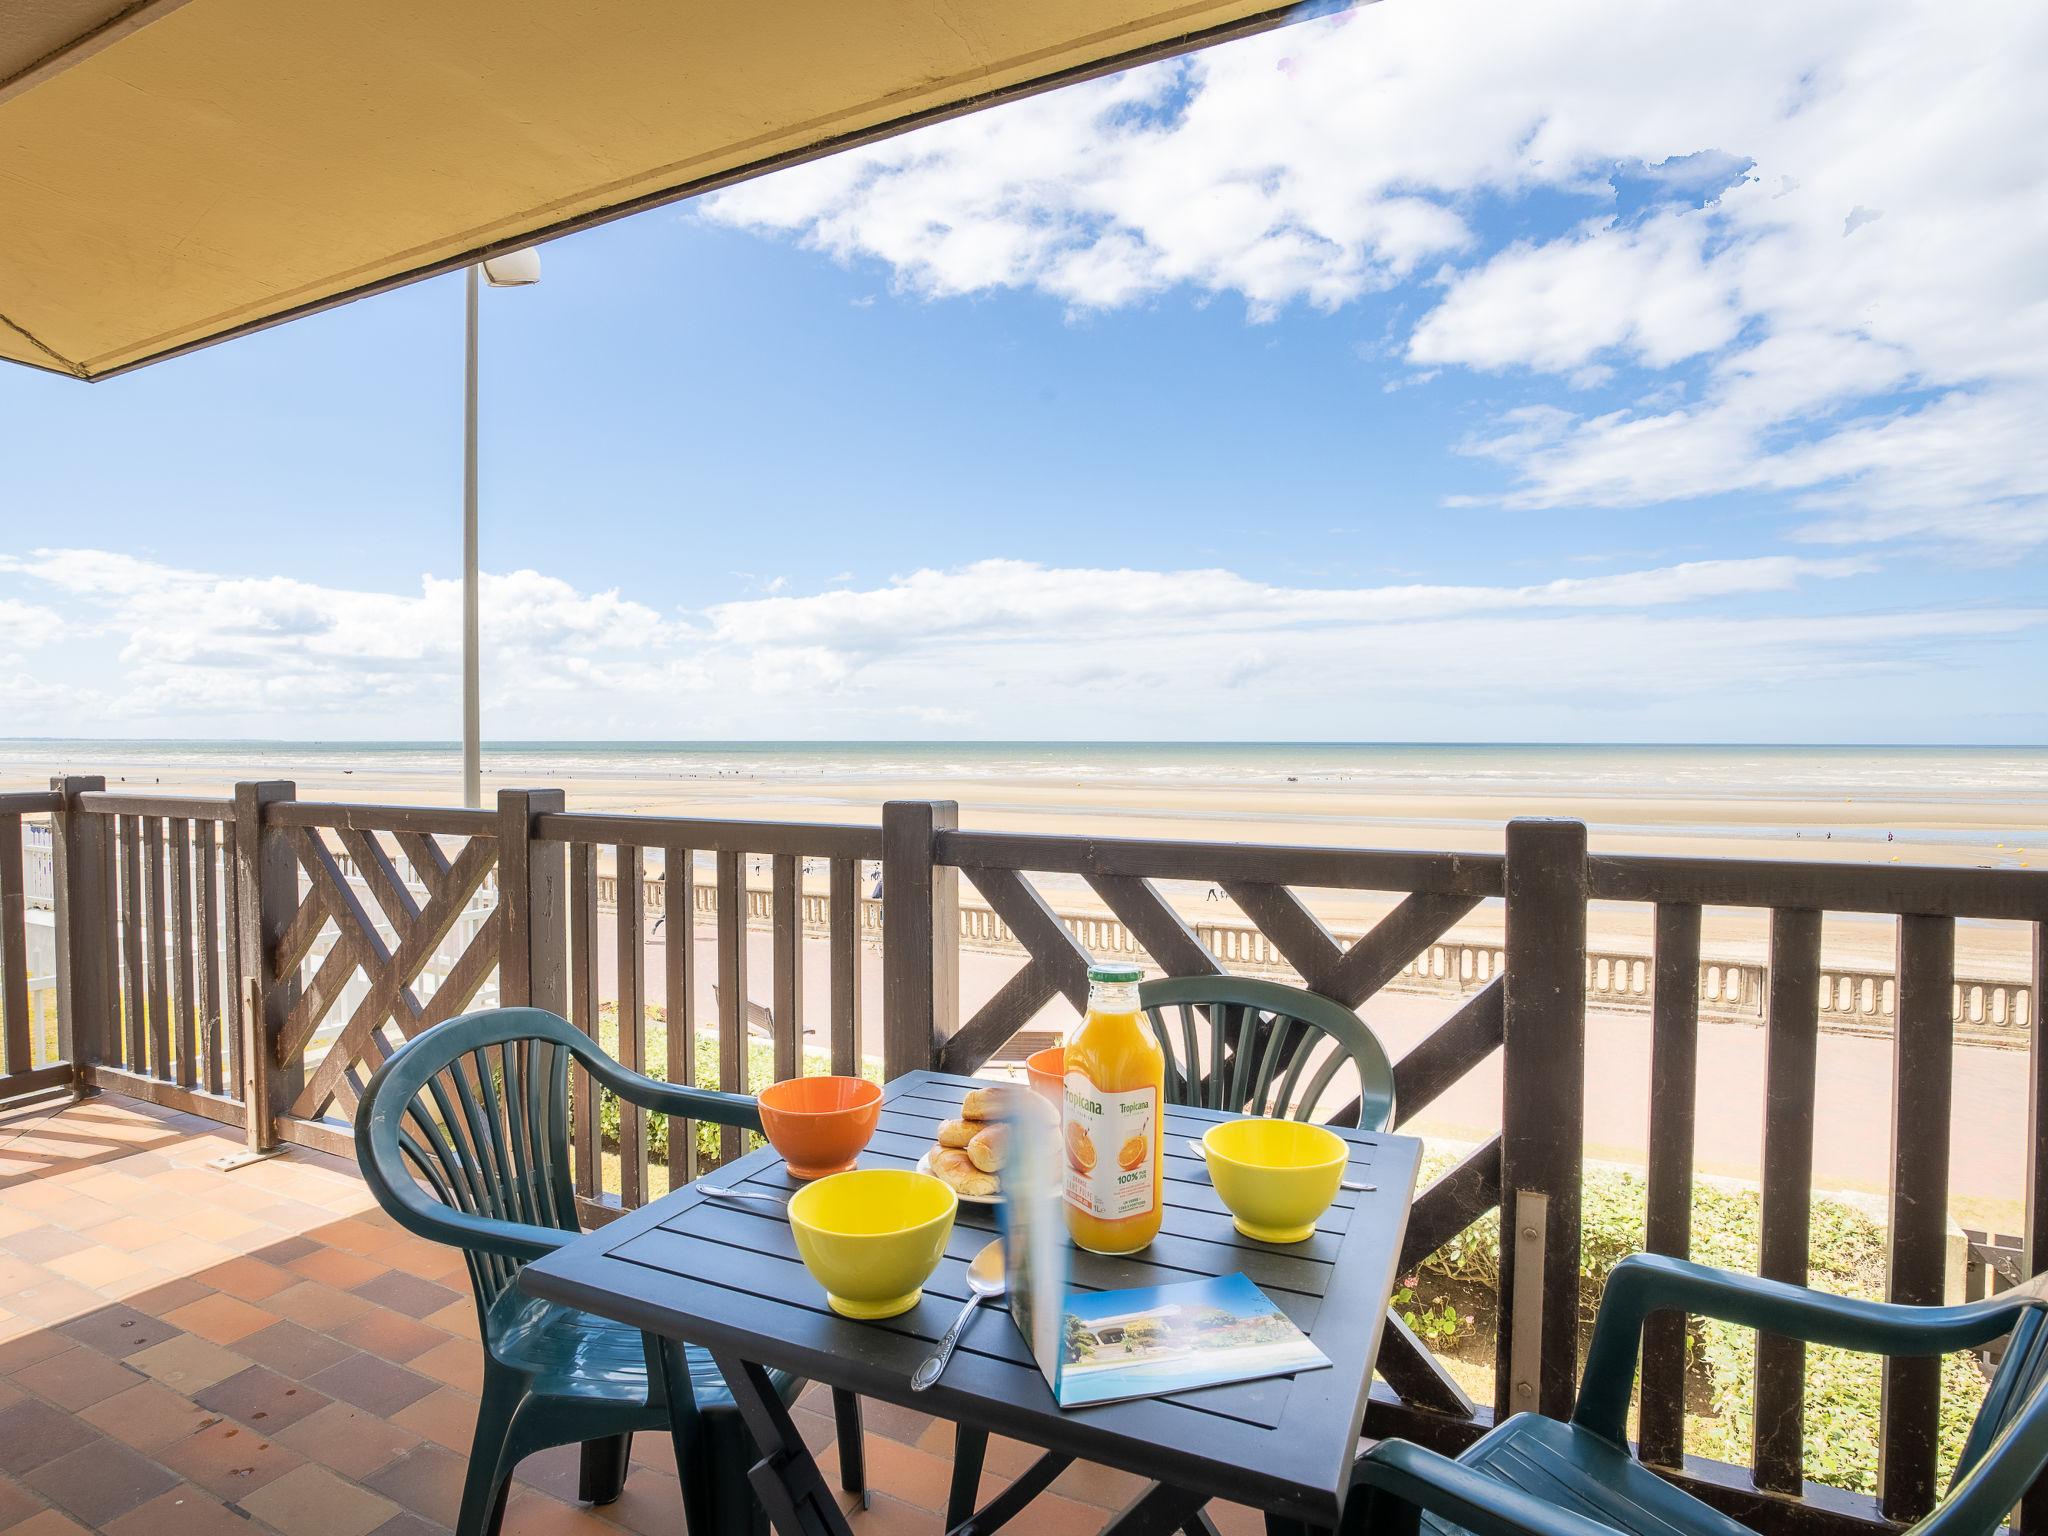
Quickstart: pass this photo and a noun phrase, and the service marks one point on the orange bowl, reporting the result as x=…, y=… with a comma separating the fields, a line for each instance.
x=820, y=1124
x=1047, y=1070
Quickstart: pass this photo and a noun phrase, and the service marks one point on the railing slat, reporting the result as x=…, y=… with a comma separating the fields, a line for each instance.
x=845, y=963
x=1674, y=1094
x=2033, y=1518
x=787, y=959
x=234, y=995
x=583, y=1012
x=631, y=934
x=184, y=1004
x=154, y=941
x=1792, y=1031
x=1923, y=1072
x=732, y=988
x=207, y=878
x=679, y=967
x=20, y=1050
x=133, y=992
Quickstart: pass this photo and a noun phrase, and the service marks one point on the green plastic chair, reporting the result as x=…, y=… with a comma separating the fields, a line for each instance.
x=463, y=1136
x=1534, y=1476
x=1263, y=1039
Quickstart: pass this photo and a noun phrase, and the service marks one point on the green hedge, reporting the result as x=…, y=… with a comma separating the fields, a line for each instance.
x=1842, y=1389
x=760, y=1071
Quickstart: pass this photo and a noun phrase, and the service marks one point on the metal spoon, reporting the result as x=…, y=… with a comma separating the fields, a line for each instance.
x=985, y=1280
x=1200, y=1151
x=720, y=1192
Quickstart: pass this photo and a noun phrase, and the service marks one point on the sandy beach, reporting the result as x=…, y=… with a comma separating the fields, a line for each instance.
x=1907, y=811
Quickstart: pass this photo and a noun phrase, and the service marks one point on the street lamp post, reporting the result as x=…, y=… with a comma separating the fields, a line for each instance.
x=515, y=270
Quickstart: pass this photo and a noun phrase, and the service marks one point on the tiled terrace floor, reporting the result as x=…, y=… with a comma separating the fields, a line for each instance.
x=185, y=1352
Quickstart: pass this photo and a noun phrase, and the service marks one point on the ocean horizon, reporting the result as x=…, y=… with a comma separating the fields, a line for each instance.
x=1717, y=770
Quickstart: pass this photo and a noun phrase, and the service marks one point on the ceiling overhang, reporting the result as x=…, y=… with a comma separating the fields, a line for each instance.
x=175, y=172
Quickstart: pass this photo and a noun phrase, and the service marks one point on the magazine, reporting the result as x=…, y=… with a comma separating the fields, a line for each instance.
x=1143, y=1341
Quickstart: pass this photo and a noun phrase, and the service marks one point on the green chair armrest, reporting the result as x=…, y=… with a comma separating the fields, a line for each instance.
x=440, y=1223
x=649, y=1093
x=1647, y=1282
x=1464, y=1497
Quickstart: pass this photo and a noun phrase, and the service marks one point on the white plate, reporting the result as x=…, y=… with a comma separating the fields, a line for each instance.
x=924, y=1165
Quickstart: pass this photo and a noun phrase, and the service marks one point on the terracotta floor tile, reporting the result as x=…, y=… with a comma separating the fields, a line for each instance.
x=444, y=1415
x=230, y=1460
x=348, y=1439
x=184, y=1255
x=188, y=1364
x=406, y=1523
x=392, y=1335
x=1089, y=1482
x=319, y=1307
x=529, y=1513
x=99, y=1482
x=40, y=1244
x=29, y=1347
x=331, y=1266
x=293, y=1349
x=887, y=1516
x=913, y=1476
x=215, y=1225
x=76, y=1378
x=1236, y=1519
x=370, y=1383
x=131, y=1233
x=148, y=1416
x=457, y=1363
x=102, y=1268
x=119, y=1330
x=221, y=1318
x=57, y=1300
x=408, y=1294
x=287, y=1247
x=651, y=1505
x=458, y=1318
x=182, y=1511
x=312, y=1501
x=50, y=1522
x=361, y=1235
x=168, y=1295
x=32, y=1433
x=16, y=1503
x=249, y=1278
x=427, y=1481
x=265, y=1401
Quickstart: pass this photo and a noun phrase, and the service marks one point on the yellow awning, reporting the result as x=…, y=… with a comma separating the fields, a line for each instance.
x=178, y=171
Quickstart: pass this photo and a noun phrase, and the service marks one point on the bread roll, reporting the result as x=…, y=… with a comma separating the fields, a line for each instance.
x=987, y=1149
x=987, y=1103
x=957, y=1133
x=953, y=1165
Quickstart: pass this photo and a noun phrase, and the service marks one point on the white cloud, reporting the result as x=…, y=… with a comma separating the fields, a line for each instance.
x=1890, y=235
x=993, y=648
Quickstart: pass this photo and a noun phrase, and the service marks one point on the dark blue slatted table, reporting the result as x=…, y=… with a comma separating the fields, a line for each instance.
x=725, y=1275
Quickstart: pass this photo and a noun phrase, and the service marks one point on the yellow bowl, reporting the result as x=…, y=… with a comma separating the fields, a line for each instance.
x=872, y=1236
x=1277, y=1176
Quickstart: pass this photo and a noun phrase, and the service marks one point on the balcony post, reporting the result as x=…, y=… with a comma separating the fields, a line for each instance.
x=920, y=935
x=267, y=898
x=533, y=896
x=82, y=855
x=1543, y=1075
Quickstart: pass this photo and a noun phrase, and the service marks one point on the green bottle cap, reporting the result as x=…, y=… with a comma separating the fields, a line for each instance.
x=1120, y=973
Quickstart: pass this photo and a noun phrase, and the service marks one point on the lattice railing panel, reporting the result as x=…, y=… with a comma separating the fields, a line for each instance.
x=379, y=907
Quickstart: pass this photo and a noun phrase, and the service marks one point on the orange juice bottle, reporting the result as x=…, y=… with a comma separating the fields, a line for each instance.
x=1116, y=1080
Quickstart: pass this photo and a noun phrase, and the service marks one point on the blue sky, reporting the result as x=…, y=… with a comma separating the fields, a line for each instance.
x=1407, y=375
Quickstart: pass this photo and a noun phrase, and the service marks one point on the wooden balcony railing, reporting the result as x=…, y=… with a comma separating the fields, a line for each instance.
x=254, y=958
